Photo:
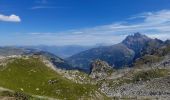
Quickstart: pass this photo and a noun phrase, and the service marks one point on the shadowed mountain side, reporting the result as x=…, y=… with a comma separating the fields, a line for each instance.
x=118, y=55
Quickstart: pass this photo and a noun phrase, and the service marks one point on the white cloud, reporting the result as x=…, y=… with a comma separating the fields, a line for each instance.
x=11, y=18
x=153, y=24
x=157, y=23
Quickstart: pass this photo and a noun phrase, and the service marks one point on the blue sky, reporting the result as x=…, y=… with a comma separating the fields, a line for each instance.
x=81, y=22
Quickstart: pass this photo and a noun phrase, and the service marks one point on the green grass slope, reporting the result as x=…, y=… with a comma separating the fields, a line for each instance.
x=31, y=76
x=8, y=95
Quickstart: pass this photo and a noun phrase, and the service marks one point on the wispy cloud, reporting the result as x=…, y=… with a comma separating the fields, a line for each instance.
x=43, y=7
x=10, y=18
x=153, y=24
x=44, y=4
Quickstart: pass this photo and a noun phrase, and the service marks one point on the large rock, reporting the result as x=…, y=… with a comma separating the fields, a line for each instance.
x=100, y=70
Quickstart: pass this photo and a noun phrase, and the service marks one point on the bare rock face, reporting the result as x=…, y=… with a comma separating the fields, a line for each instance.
x=100, y=70
x=136, y=42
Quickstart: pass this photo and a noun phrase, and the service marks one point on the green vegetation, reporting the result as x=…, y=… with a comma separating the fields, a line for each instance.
x=17, y=95
x=147, y=59
x=148, y=75
x=32, y=77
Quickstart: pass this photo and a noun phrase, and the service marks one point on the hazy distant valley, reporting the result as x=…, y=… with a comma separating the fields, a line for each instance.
x=61, y=51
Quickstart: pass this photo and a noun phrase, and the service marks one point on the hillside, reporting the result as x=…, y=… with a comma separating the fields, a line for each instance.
x=148, y=78
x=33, y=77
x=115, y=72
x=18, y=51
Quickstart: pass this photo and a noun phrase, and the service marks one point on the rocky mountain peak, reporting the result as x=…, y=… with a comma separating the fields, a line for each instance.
x=137, y=34
x=135, y=37
x=100, y=70
x=136, y=42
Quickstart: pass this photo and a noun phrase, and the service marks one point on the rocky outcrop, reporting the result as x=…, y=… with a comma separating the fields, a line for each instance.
x=100, y=70
x=150, y=80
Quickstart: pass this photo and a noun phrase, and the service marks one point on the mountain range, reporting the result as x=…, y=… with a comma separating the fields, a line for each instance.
x=137, y=68
x=119, y=55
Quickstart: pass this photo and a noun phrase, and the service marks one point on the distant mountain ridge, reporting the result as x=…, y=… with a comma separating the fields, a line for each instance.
x=118, y=55
x=57, y=61
x=61, y=51
x=7, y=51
x=144, y=72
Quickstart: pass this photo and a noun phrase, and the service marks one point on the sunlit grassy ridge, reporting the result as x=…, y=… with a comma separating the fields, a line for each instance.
x=33, y=77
